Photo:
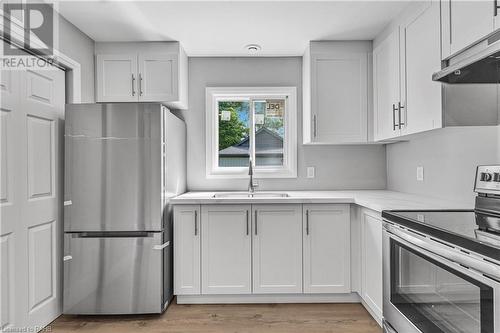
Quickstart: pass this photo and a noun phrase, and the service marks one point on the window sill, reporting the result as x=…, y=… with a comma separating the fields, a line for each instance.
x=242, y=173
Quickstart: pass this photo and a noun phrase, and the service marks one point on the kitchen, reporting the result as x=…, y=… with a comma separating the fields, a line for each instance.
x=270, y=166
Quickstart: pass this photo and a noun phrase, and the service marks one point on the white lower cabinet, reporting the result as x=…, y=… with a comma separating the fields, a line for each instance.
x=187, y=250
x=371, y=261
x=277, y=249
x=326, y=248
x=226, y=250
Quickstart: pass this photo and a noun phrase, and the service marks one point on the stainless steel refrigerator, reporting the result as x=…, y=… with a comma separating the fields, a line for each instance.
x=123, y=161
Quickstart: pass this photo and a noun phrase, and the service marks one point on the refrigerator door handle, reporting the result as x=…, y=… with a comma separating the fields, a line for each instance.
x=112, y=234
x=162, y=246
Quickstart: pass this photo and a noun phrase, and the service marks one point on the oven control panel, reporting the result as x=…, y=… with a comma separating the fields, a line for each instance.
x=488, y=179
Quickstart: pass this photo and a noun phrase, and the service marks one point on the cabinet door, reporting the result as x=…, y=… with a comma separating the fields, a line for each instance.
x=326, y=249
x=116, y=78
x=226, y=249
x=187, y=250
x=421, y=49
x=371, y=261
x=339, y=88
x=277, y=249
x=158, y=77
x=386, y=87
x=469, y=22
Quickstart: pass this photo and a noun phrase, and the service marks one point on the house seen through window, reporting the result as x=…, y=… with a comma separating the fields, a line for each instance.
x=251, y=124
x=237, y=145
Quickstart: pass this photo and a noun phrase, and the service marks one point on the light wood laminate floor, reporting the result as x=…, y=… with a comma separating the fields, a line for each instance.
x=285, y=318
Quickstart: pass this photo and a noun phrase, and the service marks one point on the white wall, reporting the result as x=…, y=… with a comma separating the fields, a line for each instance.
x=337, y=167
x=449, y=157
x=78, y=46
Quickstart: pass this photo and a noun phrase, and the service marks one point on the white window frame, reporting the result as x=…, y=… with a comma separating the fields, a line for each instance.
x=289, y=167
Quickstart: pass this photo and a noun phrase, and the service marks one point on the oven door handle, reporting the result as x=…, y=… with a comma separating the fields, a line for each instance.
x=450, y=254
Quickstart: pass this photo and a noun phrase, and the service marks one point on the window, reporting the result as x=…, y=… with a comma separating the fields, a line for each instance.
x=251, y=124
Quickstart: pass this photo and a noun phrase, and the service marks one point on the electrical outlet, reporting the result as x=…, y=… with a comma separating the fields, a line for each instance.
x=420, y=173
x=311, y=172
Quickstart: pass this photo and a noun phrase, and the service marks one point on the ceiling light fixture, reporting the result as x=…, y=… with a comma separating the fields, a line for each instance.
x=253, y=48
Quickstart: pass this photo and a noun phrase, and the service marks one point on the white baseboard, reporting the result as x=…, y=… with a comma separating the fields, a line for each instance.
x=276, y=298
x=374, y=314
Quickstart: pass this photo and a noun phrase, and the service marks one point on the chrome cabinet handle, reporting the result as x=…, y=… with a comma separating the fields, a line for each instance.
x=196, y=223
x=394, y=117
x=133, y=85
x=162, y=246
x=314, y=127
x=307, y=222
x=68, y=257
x=140, y=84
x=255, y=223
x=400, y=106
x=248, y=229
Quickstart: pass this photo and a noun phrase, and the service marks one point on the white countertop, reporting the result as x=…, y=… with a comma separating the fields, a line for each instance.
x=377, y=200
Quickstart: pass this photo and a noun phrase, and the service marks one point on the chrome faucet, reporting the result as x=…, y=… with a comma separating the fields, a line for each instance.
x=251, y=185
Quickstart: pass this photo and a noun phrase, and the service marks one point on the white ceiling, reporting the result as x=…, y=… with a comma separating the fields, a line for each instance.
x=223, y=28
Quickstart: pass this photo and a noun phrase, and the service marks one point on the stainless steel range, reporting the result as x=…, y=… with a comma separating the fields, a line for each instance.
x=442, y=268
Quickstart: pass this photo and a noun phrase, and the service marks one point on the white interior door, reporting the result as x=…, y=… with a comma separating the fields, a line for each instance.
x=327, y=252
x=277, y=249
x=226, y=253
x=158, y=77
x=31, y=226
x=116, y=78
x=10, y=198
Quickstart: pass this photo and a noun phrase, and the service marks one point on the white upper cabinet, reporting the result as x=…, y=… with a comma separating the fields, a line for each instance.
x=226, y=254
x=142, y=72
x=277, y=249
x=158, y=76
x=405, y=56
x=386, y=87
x=465, y=22
x=117, y=75
x=421, y=98
x=326, y=248
x=336, y=85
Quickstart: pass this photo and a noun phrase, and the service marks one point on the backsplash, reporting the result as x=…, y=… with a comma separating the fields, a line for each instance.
x=449, y=157
x=337, y=167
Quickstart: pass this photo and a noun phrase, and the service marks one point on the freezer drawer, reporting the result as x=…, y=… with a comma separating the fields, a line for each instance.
x=113, y=274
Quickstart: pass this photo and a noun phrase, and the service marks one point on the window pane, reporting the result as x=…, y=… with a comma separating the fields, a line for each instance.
x=234, y=143
x=269, y=132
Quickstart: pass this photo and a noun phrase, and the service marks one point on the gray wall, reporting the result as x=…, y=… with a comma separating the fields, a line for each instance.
x=78, y=46
x=337, y=167
x=449, y=157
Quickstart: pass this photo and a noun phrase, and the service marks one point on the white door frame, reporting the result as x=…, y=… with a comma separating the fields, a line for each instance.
x=72, y=67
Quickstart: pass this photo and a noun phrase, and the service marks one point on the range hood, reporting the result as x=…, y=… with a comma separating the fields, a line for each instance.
x=478, y=63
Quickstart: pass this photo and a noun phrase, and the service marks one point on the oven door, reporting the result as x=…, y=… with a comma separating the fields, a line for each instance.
x=425, y=291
